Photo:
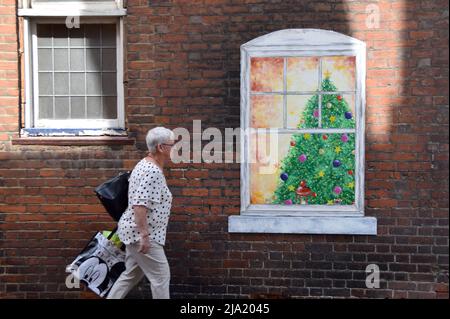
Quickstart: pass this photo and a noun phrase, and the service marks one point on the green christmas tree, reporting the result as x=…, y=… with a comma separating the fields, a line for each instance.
x=319, y=168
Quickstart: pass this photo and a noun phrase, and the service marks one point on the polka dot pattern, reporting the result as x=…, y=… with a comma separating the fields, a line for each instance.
x=147, y=187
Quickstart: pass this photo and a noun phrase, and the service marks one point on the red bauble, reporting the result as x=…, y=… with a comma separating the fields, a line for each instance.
x=314, y=194
x=325, y=137
x=293, y=143
x=339, y=97
x=350, y=172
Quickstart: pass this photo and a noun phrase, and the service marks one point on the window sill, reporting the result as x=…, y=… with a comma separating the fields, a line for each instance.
x=303, y=225
x=73, y=137
x=74, y=140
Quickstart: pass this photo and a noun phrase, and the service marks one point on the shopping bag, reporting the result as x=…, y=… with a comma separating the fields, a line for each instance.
x=99, y=264
x=113, y=194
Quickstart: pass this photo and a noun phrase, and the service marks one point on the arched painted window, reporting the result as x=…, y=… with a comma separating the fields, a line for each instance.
x=302, y=154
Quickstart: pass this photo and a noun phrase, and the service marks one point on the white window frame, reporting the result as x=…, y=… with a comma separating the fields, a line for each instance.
x=71, y=8
x=314, y=219
x=97, y=15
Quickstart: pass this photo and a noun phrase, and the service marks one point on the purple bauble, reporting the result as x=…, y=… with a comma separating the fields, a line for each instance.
x=336, y=163
x=288, y=202
x=344, y=138
x=337, y=190
x=284, y=176
x=348, y=115
x=316, y=113
x=302, y=158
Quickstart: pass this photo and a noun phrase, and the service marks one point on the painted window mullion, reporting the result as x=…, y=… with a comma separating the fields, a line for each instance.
x=320, y=93
x=285, y=92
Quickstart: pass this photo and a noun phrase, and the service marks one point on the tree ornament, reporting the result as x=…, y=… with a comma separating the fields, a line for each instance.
x=329, y=105
x=321, y=151
x=337, y=190
x=302, y=158
x=332, y=118
x=303, y=192
x=336, y=163
x=339, y=98
x=344, y=138
x=307, y=136
x=316, y=113
x=293, y=143
x=348, y=115
x=284, y=176
x=325, y=137
x=350, y=172
x=337, y=149
x=288, y=202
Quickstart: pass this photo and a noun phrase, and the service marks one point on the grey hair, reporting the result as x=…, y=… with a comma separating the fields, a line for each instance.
x=158, y=135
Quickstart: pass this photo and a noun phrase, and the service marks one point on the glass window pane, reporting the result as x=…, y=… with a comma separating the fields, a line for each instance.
x=340, y=71
x=77, y=83
x=61, y=83
x=77, y=60
x=61, y=60
x=77, y=36
x=45, y=60
x=44, y=34
x=338, y=111
x=302, y=111
x=45, y=107
x=94, y=107
x=110, y=107
x=109, y=83
x=77, y=109
x=93, y=59
x=109, y=59
x=92, y=33
x=94, y=83
x=302, y=74
x=266, y=74
x=108, y=34
x=266, y=111
x=302, y=169
x=62, y=107
x=45, y=83
x=60, y=35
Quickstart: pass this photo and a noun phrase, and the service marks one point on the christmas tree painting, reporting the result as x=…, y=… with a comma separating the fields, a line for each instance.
x=319, y=168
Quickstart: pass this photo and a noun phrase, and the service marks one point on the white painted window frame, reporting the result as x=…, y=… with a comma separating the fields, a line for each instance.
x=320, y=219
x=71, y=8
x=96, y=16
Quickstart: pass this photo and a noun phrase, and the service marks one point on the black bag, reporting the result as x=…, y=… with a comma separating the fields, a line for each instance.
x=114, y=195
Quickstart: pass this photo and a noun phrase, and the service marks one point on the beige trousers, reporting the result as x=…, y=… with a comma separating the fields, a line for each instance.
x=153, y=265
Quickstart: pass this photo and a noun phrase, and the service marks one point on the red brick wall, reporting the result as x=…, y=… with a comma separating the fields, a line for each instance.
x=183, y=64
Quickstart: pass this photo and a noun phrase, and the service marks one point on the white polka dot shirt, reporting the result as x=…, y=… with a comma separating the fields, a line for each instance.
x=147, y=187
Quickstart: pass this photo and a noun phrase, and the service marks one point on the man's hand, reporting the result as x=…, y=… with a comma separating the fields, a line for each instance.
x=144, y=244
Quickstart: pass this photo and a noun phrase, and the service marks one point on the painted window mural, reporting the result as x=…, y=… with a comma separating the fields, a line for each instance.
x=309, y=101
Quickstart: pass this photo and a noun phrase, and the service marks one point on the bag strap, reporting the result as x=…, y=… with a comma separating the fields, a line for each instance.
x=112, y=233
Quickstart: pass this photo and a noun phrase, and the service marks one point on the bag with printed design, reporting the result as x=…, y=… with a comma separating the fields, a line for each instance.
x=99, y=264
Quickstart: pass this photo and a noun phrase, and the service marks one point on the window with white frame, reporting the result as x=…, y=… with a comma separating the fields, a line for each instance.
x=73, y=64
x=302, y=157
